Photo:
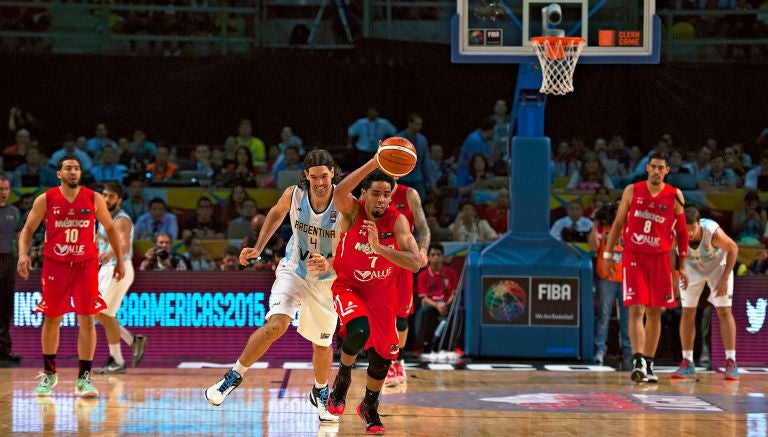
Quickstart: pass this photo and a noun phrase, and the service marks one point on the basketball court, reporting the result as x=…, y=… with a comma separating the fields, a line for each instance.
x=484, y=399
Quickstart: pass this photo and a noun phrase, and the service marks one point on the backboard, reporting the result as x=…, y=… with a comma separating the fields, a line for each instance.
x=617, y=31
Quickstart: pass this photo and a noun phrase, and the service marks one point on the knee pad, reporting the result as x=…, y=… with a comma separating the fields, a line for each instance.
x=358, y=331
x=402, y=323
x=378, y=366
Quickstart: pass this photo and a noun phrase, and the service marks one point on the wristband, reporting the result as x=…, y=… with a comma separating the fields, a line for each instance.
x=607, y=255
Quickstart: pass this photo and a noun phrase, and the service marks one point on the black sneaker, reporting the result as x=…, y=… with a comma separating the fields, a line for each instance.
x=110, y=368
x=337, y=398
x=639, y=371
x=216, y=393
x=649, y=375
x=139, y=345
x=9, y=356
x=370, y=415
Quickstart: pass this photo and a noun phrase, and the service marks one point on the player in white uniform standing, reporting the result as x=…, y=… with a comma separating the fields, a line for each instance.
x=711, y=258
x=113, y=291
x=303, y=279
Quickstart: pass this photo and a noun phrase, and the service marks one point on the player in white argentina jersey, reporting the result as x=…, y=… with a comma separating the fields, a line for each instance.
x=113, y=291
x=711, y=258
x=303, y=279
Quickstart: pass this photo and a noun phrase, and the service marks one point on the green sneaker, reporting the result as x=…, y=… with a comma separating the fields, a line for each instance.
x=47, y=382
x=84, y=388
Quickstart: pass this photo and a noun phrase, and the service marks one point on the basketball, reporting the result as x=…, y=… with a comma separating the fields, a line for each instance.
x=396, y=156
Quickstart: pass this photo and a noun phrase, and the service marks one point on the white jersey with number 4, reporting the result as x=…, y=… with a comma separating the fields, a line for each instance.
x=313, y=231
x=706, y=257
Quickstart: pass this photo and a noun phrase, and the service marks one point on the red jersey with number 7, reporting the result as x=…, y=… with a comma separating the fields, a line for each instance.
x=356, y=264
x=70, y=227
x=651, y=219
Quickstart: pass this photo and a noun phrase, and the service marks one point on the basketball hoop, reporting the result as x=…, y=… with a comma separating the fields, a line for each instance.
x=558, y=56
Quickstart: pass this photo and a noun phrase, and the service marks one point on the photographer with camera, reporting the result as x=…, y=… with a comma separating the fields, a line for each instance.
x=161, y=258
x=608, y=286
x=574, y=227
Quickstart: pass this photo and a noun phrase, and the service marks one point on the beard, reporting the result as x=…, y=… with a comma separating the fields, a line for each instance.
x=112, y=208
x=73, y=185
x=378, y=214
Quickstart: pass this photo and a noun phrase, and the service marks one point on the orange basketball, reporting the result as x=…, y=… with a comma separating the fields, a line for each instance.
x=396, y=156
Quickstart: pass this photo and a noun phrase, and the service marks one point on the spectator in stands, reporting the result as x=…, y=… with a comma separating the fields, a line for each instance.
x=759, y=265
x=743, y=157
x=161, y=257
x=246, y=212
x=440, y=168
x=676, y=163
x=203, y=160
x=754, y=176
x=230, y=261
x=274, y=250
x=419, y=178
x=19, y=118
x=749, y=223
x=476, y=143
x=497, y=215
x=478, y=177
x=256, y=145
x=467, y=226
x=242, y=171
x=602, y=197
x=287, y=138
x=437, y=221
x=436, y=286
x=364, y=134
x=23, y=143
x=197, y=257
x=204, y=224
x=135, y=205
x=35, y=171
x=220, y=177
x=717, y=176
x=701, y=164
x=70, y=148
x=109, y=170
x=236, y=198
x=158, y=219
x=143, y=151
x=288, y=172
x=162, y=168
x=99, y=140
x=591, y=176
x=734, y=162
x=574, y=227
x=564, y=163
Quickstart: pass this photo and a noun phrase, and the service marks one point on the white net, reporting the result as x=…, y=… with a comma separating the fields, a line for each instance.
x=558, y=57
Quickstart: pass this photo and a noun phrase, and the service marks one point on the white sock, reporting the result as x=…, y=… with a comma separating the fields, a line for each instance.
x=239, y=368
x=116, y=353
x=318, y=385
x=126, y=336
x=730, y=354
x=688, y=355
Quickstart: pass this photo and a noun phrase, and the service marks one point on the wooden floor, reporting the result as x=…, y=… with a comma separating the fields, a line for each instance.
x=274, y=402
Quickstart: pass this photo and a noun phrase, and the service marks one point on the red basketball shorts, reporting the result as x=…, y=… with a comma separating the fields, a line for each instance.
x=404, y=286
x=70, y=287
x=378, y=306
x=648, y=279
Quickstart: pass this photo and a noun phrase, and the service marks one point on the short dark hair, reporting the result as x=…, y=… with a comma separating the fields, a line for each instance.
x=204, y=199
x=115, y=188
x=691, y=215
x=436, y=246
x=3, y=177
x=377, y=176
x=60, y=164
x=156, y=200
x=660, y=156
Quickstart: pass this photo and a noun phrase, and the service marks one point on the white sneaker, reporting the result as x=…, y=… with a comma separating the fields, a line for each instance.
x=216, y=393
x=318, y=397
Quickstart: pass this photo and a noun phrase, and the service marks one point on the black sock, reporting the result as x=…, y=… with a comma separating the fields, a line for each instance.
x=371, y=397
x=637, y=356
x=84, y=366
x=345, y=371
x=49, y=363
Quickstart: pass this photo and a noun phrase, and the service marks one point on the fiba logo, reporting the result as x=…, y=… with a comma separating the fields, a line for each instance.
x=505, y=300
x=554, y=291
